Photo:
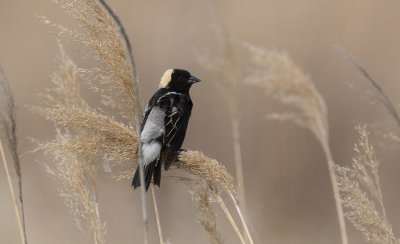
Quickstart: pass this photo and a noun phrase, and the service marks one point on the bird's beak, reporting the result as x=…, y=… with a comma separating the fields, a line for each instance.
x=193, y=79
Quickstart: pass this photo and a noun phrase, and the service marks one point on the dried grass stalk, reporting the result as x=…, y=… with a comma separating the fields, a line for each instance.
x=85, y=133
x=160, y=235
x=378, y=91
x=360, y=208
x=77, y=181
x=138, y=113
x=196, y=164
x=223, y=63
x=8, y=128
x=101, y=135
x=202, y=197
x=282, y=79
x=15, y=202
x=80, y=132
x=114, y=80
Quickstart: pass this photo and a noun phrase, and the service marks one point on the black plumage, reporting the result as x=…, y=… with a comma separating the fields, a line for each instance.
x=164, y=124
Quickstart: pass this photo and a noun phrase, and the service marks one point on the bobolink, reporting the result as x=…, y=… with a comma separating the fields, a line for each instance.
x=164, y=124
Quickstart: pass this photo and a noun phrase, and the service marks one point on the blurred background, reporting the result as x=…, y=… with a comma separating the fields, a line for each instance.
x=289, y=196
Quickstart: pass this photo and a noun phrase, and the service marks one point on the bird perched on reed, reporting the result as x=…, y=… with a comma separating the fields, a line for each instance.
x=164, y=124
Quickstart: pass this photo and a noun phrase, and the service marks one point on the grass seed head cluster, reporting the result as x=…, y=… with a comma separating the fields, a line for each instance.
x=361, y=193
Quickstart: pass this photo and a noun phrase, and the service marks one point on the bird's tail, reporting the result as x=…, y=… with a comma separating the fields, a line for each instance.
x=149, y=170
x=157, y=174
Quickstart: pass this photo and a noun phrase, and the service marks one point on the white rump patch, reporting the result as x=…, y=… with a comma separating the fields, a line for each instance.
x=166, y=78
x=151, y=151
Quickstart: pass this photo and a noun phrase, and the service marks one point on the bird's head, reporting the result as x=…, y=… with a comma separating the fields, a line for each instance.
x=178, y=80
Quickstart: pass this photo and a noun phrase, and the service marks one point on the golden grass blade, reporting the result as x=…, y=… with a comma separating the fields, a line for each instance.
x=230, y=218
x=15, y=203
x=242, y=217
x=160, y=235
x=336, y=194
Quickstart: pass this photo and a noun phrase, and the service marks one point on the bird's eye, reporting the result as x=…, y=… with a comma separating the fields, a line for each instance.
x=181, y=78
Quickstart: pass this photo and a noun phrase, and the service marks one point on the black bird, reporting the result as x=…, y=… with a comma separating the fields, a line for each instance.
x=164, y=124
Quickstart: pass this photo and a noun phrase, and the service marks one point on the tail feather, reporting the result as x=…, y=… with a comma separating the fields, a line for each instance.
x=136, y=179
x=157, y=174
x=148, y=173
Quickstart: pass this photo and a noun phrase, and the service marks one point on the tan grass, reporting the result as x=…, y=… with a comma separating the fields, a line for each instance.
x=98, y=134
x=283, y=80
x=360, y=208
x=195, y=163
x=74, y=149
x=160, y=235
x=202, y=198
x=222, y=62
x=113, y=81
x=85, y=133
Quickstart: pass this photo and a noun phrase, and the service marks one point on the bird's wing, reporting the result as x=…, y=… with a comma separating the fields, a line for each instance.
x=176, y=121
x=154, y=101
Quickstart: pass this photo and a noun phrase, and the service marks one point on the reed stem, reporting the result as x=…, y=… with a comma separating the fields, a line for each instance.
x=241, y=216
x=339, y=208
x=138, y=116
x=15, y=203
x=160, y=235
x=230, y=218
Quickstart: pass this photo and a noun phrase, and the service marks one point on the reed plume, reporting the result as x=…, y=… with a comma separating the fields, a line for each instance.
x=202, y=195
x=116, y=81
x=74, y=162
x=359, y=183
x=360, y=206
x=8, y=129
x=284, y=81
x=113, y=81
x=85, y=134
x=222, y=62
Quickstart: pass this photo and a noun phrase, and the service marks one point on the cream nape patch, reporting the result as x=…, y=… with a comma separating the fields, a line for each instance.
x=166, y=78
